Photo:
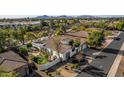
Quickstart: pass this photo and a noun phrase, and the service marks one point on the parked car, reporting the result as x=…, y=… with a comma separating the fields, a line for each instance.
x=116, y=38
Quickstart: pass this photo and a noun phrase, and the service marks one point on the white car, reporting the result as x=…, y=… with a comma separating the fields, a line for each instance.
x=96, y=54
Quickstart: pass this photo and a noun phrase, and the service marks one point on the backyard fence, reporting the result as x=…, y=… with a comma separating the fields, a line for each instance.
x=48, y=65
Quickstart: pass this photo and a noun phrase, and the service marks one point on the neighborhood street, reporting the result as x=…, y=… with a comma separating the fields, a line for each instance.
x=102, y=64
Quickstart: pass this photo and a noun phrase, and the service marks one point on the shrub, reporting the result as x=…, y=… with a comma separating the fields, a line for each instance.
x=108, y=33
x=40, y=60
x=1, y=49
x=76, y=43
x=35, y=59
x=8, y=74
x=74, y=66
x=71, y=42
x=29, y=45
x=23, y=50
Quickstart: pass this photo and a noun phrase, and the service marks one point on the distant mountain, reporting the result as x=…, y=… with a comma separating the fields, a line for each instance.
x=61, y=16
x=44, y=16
x=85, y=16
x=82, y=16
x=65, y=16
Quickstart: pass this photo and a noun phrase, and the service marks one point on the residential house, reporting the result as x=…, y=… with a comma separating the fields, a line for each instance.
x=11, y=61
x=66, y=51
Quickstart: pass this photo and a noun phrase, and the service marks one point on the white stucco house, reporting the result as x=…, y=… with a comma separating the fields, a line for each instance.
x=65, y=50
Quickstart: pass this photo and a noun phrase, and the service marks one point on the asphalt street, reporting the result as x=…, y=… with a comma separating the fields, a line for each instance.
x=103, y=62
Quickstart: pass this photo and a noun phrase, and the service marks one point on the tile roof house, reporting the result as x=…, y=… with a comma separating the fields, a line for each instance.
x=65, y=50
x=80, y=35
x=11, y=61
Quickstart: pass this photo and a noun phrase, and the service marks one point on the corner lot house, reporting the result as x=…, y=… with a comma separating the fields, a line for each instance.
x=11, y=61
x=65, y=50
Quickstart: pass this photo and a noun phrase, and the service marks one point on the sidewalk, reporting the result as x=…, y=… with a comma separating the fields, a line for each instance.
x=120, y=71
x=116, y=63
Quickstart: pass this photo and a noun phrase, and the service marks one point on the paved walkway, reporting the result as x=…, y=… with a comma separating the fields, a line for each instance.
x=120, y=71
x=102, y=64
x=116, y=63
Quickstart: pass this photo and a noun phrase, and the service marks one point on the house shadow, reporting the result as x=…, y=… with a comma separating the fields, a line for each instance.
x=113, y=51
x=107, y=50
x=71, y=60
x=96, y=72
x=100, y=57
x=55, y=67
x=85, y=62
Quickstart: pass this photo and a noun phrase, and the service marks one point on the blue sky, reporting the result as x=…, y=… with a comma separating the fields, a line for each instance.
x=60, y=7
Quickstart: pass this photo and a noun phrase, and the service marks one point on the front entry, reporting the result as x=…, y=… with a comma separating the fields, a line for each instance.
x=77, y=51
x=67, y=55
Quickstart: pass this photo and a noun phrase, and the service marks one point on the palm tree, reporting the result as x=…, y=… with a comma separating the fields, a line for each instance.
x=9, y=37
x=15, y=35
x=30, y=36
x=57, y=46
x=39, y=35
x=2, y=40
x=22, y=34
x=79, y=57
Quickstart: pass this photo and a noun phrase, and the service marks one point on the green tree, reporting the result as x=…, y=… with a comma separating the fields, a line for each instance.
x=75, y=28
x=22, y=34
x=42, y=59
x=76, y=43
x=79, y=57
x=10, y=37
x=59, y=32
x=30, y=36
x=5, y=73
x=2, y=40
x=23, y=50
x=8, y=74
x=120, y=25
x=95, y=38
x=57, y=45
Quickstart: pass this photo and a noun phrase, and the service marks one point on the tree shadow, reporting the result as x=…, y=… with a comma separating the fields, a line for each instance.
x=110, y=50
x=113, y=51
x=100, y=57
x=85, y=62
x=94, y=71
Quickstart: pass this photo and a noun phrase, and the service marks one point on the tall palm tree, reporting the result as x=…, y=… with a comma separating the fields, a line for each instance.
x=39, y=35
x=79, y=57
x=57, y=46
x=30, y=36
x=10, y=37
x=22, y=34
x=2, y=40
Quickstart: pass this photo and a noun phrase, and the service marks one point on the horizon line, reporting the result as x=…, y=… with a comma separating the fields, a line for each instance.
x=33, y=16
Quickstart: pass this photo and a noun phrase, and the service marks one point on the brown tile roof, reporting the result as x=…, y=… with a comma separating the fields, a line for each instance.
x=9, y=65
x=10, y=61
x=81, y=34
x=1, y=60
x=73, y=36
x=50, y=44
x=10, y=55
